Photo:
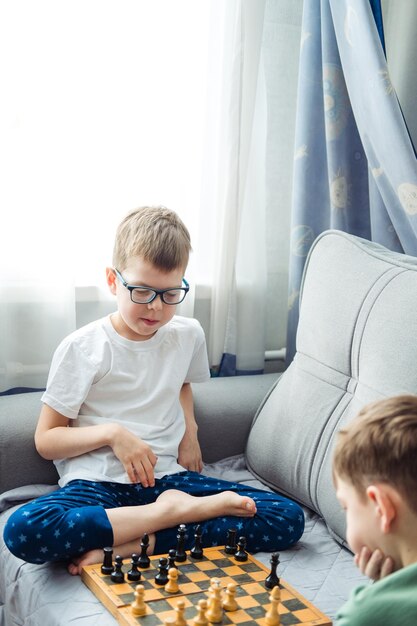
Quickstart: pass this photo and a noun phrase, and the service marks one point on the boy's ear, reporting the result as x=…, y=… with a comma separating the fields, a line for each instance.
x=111, y=279
x=385, y=506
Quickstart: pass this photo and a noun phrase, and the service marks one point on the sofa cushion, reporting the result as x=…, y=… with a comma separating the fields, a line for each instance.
x=20, y=464
x=356, y=342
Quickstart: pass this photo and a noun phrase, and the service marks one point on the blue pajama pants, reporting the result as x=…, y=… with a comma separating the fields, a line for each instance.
x=72, y=520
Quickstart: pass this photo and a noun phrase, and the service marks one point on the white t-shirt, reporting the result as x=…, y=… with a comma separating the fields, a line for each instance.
x=97, y=375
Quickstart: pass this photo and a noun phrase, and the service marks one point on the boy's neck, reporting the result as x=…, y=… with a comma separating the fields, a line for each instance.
x=408, y=549
x=404, y=541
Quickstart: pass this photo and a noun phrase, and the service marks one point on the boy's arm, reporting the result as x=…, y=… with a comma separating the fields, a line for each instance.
x=189, y=452
x=55, y=440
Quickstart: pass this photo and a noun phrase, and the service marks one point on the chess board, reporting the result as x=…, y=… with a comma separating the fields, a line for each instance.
x=194, y=580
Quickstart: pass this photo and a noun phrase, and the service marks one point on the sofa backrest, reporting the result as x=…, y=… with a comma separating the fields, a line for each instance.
x=356, y=342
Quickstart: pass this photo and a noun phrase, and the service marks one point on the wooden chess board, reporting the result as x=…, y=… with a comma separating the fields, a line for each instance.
x=194, y=581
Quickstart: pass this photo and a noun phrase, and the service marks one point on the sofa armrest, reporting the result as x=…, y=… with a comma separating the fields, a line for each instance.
x=224, y=410
x=20, y=464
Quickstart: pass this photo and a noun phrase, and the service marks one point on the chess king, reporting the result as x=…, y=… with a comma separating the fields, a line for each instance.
x=117, y=419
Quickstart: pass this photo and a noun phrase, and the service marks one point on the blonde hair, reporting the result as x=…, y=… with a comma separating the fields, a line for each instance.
x=156, y=234
x=380, y=445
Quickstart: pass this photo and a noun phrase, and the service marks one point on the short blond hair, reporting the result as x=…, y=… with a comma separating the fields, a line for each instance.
x=154, y=233
x=380, y=445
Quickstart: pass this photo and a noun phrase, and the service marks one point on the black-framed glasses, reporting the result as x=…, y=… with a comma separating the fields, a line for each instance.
x=146, y=295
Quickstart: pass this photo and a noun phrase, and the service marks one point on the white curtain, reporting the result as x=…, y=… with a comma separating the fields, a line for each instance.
x=247, y=179
x=108, y=105
x=102, y=110
x=240, y=183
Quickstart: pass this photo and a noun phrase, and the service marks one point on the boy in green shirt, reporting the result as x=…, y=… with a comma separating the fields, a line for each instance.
x=375, y=474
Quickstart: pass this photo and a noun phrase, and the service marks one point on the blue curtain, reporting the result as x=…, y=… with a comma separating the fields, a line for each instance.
x=355, y=168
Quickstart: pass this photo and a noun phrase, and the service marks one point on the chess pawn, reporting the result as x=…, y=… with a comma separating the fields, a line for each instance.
x=229, y=601
x=241, y=554
x=180, y=610
x=138, y=606
x=161, y=578
x=170, y=621
x=272, y=615
x=134, y=574
x=117, y=575
x=215, y=611
x=201, y=619
x=171, y=558
x=172, y=584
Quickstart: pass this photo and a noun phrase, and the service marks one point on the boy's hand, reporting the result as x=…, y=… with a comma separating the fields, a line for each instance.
x=189, y=453
x=374, y=565
x=135, y=455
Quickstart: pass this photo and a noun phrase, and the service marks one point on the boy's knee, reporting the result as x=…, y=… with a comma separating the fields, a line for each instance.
x=291, y=525
x=18, y=536
x=297, y=521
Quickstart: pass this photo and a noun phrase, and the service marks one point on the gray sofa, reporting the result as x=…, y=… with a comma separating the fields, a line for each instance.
x=356, y=342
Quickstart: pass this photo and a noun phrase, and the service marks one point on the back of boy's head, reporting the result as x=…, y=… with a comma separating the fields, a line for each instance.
x=157, y=235
x=380, y=445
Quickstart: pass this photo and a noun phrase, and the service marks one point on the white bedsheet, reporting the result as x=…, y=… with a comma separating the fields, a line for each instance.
x=46, y=595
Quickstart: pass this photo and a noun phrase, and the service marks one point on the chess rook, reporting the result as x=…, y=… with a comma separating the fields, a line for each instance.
x=107, y=566
x=230, y=547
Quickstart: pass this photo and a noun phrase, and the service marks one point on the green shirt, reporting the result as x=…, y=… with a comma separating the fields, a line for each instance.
x=392, y=600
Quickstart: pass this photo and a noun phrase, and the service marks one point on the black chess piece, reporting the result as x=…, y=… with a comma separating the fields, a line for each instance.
x=241, y=554
x=197, y=550
x=171, y=558
x=107, y=566
x=144, y=561
x=117, y=575
x=161, y=577
x=134, y=574
x=180, y=554
x=272, y=579
x=230, y=547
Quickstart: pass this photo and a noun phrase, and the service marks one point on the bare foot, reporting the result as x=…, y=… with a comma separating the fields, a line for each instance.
x=96, y=556
x=88, y=558
x=197, y=509
x=171, y=507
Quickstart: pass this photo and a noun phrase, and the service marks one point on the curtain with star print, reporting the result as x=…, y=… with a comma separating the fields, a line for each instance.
x=354, y=164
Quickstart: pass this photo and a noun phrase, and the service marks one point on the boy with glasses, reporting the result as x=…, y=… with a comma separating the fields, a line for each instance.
x=375, y=473
x=118, y=422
